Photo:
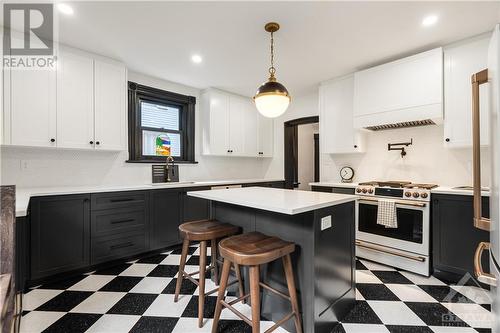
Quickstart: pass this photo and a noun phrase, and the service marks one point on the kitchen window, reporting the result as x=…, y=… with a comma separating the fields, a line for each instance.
x=159, y=119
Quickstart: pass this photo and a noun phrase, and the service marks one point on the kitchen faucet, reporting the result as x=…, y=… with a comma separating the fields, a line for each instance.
x=170, y=159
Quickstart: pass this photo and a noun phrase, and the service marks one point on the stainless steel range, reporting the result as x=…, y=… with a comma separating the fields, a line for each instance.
x=408, y=245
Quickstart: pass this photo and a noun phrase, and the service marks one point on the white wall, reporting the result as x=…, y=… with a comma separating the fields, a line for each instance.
x=305, y=158
x=35, y=167
x=427, y=159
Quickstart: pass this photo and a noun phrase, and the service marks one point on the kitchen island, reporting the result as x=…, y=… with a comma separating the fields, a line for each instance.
x=322, y=227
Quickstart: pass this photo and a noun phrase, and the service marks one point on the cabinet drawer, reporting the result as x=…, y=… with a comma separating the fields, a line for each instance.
x=119, y=246
x=114, y=221
x=118, y=199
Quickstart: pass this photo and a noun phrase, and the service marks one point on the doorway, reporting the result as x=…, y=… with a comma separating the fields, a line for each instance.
x=301, y=160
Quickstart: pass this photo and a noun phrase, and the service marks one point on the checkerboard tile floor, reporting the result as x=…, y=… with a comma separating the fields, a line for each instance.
x=138, y=297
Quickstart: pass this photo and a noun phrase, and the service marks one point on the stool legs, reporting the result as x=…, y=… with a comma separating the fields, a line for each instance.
x=226, y=267
x=240, y=281
x=255, y=297
x=287, y=264
x=180, y=276
x=213, y=246
x=203, y=267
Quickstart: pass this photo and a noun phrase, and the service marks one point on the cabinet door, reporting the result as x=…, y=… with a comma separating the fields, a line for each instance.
x=30, y=107
x=460, y=62
x=265, y=135
x=60, y=234
x=165, y=218
x=251, y=129
x=75, y=100
x=237, y=117
x=337, y=132
x=218, y=131
x=110, y=87
x=195, y=208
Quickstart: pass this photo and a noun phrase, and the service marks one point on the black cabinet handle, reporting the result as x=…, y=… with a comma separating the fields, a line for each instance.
x=122, y=221
x=91, y=142
x=52, y=140
x=97, y=143
x=447, y=140
x=355, y=146
x=121, y=200
x=121, y=246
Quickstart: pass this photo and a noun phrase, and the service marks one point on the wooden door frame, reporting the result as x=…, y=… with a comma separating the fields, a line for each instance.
x=291, y=148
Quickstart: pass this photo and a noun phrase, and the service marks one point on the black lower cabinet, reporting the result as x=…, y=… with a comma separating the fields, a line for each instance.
x=60, y=234
x=454, y=237
x=195, y=208
x=165, y=208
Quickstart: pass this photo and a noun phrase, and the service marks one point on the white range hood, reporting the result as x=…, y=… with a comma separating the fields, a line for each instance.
x=404, y=93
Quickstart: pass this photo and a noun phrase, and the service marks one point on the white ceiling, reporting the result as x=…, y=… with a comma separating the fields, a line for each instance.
x=317, y=41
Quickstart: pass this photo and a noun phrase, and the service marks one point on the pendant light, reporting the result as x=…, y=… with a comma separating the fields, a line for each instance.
x=272, y=98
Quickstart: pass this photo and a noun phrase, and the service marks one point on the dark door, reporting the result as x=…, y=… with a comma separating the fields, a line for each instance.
x=195, y=208
x=60, y=234
x=165, y=218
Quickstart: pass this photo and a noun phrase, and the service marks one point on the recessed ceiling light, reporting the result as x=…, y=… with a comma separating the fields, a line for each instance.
x=196, y=58
x=65, y=9
x=429, y=20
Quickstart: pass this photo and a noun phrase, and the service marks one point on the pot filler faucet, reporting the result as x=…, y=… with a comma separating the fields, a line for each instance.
x=400, y=146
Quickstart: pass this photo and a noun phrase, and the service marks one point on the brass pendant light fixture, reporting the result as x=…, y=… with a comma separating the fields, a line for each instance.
x=272, y=98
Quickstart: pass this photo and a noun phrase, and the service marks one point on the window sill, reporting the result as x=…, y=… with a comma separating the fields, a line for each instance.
x=160, y=161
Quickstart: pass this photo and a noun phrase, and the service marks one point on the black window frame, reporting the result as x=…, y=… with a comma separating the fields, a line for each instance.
x=138, y=93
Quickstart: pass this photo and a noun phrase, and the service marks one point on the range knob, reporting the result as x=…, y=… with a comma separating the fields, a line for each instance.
x=364, y=190
x=407, y=194
x=424, y=195
x=416, y=194
x=370, y=190
x=358, y=190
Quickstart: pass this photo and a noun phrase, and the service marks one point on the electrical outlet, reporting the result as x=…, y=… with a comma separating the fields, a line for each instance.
x=326, y=222
x=23, y=165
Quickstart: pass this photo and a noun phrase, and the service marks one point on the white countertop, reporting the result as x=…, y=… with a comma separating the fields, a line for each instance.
x=334, y=184
x=275, y=200
x=23, y=195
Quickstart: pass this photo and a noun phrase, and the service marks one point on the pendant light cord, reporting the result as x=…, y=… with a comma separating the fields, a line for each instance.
x=272, y=70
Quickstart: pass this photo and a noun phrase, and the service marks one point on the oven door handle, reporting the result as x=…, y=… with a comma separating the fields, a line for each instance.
x=400, y=202
x=394, y=253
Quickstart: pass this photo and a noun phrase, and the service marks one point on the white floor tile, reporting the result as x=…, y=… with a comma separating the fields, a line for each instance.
x=37, y=321
x=366, y=277
x=364, y=328
x=92, y=283
x=111, y=323
x=99, y=302
x=473, y=314
x=173, y=259
x=37, y=297
x=151, y=285
x=243, y=308
x=410, y=293
x=164, y=306
x=475, y=294
x=138, y=270
x=209, y=285
x=395, y=313
x=185, y=325
x=359, y=297
x=376, y=267
x=423, y=280
x=190, y=269
x=264, y=325
x=450, y=329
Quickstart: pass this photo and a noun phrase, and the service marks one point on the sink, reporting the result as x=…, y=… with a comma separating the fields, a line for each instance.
x=172, y=183
x=470, y=188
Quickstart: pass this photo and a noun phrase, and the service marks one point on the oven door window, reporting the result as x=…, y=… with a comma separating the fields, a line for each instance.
x=410, y=223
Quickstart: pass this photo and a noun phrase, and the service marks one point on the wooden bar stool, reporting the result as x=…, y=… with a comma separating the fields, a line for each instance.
x=204, y=231
x=254, y=249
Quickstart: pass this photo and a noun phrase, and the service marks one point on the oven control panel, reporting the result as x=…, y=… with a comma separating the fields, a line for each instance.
x=417, y=194
x=365, y=190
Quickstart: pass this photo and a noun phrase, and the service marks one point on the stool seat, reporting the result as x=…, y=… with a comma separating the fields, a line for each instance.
x=206, y=230
x=254, y=248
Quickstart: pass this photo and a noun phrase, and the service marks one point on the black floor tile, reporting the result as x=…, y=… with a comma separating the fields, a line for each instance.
x=483, y=330
x=393, y=277
x=63, y=284
x=65, y=301
x=154, y=325
x=360, y=266
x=233, y=326
x=122, y=283
x=486, y=306
x=376, y=292
x=195, y=260
x=113, y=270
x=435, y=314
x=408, y=329
x=362, y=313
x=133, y=304
x=164, y=271
x=445, y=294
x=156, y=259
x=191, y=309
x=73, y=322
x=338, y=329
x=187, y=287
x=191, y=250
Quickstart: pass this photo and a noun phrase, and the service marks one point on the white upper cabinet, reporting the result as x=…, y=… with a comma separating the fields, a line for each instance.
x=405, y=90
x=110, y=90
x=232, y=126
x=460, y=62
x=337, y=133
x=75, y=99
x=80, y=105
